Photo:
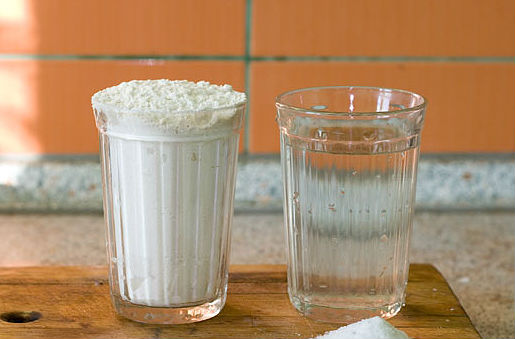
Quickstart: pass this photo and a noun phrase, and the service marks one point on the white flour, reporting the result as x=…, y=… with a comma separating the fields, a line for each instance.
x=372, y=328
x=170, y=150
x=178, y=107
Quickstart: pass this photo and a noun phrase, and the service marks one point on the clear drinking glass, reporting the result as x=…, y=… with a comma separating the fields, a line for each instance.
x=349, y=158
x=168, y=206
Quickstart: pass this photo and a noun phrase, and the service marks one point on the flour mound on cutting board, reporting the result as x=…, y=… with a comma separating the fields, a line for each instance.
x=372, y=328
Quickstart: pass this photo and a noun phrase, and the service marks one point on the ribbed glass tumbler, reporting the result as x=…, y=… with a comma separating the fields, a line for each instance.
x=349, y=158
x=168, y=206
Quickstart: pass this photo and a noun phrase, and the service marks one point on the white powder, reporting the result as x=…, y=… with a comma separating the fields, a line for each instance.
x=175, y=107
x=372, y=328
x=169, y=96
x=170, y=150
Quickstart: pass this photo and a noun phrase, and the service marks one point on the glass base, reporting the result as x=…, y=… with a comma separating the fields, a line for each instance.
x=167, y=315
x=344, y=315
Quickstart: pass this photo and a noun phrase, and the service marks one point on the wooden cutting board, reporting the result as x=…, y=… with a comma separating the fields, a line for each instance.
x=74, y=302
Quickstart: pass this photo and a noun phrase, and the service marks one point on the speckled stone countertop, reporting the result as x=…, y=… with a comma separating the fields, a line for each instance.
x=473, y=250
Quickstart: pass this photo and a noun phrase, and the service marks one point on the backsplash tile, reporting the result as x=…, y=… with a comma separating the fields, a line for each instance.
x=470, y=105
x=383, y=28
x=122, y=27
x=45, y=105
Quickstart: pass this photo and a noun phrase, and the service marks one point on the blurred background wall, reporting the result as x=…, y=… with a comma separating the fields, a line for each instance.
x=54, y=54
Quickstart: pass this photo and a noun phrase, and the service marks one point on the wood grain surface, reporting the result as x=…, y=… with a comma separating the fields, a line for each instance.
x=74, y=302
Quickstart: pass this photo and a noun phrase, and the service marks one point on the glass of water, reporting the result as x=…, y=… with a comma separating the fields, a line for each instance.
x=349, y=157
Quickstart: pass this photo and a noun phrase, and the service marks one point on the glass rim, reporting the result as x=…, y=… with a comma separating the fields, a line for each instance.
x=280, y=104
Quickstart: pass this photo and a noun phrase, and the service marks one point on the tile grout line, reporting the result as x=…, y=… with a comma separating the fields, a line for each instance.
x=248, y=28
x=178, y=57
x=393, y=59
x=249, y=58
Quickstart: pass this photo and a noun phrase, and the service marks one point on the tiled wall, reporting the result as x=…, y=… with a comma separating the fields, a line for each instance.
x=460, y=54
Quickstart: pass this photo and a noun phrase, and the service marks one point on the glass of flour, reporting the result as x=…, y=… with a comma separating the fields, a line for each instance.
x=169, y=152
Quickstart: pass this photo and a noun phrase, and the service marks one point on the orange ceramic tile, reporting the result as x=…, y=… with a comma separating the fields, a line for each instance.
x=471, y=105
x=45, y=106
x=384, y=27
x=123, y=27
